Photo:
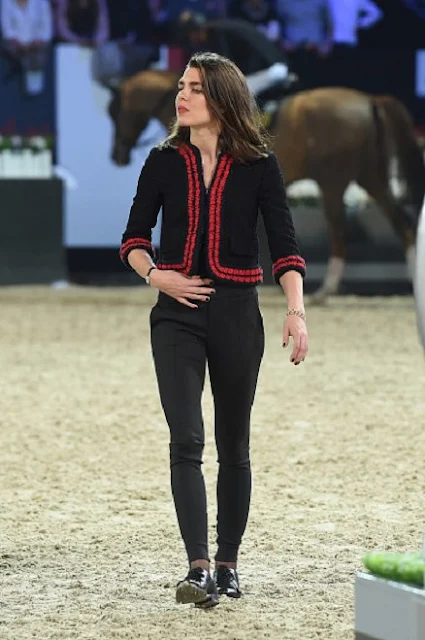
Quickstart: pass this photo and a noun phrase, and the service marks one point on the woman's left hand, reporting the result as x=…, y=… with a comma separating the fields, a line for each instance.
x=297, y=328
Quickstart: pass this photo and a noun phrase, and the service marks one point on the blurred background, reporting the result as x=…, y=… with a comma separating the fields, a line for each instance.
x=64, y=200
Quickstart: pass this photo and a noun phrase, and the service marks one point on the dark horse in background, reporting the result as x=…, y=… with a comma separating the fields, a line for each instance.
x=332, y=135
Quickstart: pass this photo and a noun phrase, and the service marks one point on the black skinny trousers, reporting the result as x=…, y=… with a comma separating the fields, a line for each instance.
x=228, y=333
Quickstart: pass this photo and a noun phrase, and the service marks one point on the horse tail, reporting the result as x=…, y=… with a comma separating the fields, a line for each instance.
x=383, y=149
x=408, y=151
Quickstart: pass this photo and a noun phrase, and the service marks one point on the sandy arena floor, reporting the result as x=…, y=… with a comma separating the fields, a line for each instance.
x=89, y=545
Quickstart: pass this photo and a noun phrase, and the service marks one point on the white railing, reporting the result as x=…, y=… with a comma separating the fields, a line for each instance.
x=25, y=157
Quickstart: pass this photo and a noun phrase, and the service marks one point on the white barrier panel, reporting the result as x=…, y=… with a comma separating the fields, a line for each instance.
x=96, y=209
x=387, y=610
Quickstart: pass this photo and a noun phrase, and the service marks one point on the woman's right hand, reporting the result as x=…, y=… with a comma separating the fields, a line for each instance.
x=181, y=287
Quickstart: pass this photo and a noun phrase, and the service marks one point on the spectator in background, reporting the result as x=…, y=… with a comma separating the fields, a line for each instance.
x=208, y=8
x=26, y=27
x=158, y=9
x=347, y=18
x=350, y=16
x=166, y=15
x=258, y=12
x=404, y=23
x=82, y=22
x=132, y=46
x=306, y=36
x=418, y=6
x=130, y=20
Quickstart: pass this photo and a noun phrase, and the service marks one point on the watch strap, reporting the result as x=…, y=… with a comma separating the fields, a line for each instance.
x=147, y=276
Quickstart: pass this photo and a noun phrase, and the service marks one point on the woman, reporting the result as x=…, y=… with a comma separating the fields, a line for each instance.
x=210, y=176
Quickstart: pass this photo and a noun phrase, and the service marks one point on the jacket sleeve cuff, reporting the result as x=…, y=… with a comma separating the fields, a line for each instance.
x=135, y=243
x=290, y=263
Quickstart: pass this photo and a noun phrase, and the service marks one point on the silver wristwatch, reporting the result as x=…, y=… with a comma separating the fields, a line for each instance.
x=148, y=275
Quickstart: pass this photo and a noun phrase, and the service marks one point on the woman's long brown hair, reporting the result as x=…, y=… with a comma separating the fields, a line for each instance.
x=231, y=103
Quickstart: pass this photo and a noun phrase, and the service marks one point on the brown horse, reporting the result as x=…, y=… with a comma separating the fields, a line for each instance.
x=331, y=135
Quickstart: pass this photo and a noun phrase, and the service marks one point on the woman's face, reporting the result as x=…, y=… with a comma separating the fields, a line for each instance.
x=191, y=105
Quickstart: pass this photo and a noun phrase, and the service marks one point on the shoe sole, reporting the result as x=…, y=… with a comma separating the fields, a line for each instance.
x=234, y=596
x=211, y=601
x=187, y=593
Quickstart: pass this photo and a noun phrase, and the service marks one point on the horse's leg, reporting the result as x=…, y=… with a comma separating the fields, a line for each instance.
x=374, y=177
x=398, y=219
x=333, y=206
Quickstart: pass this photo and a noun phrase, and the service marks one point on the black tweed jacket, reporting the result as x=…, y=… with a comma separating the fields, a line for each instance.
x=221, y=221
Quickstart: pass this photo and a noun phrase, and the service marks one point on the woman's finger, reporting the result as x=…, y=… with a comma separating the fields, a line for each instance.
x=296, y=348
x=187, y=303
x=202, y=290
x=302, y=349
x=285, y=340
x=197, y=296
x=196, y=281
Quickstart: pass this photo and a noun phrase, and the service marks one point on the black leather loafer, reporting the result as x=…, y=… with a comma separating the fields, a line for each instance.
x=198, y=588
x=227, y=582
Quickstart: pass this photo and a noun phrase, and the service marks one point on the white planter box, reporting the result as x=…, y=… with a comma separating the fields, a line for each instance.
x=25, y=164
x=387, y=610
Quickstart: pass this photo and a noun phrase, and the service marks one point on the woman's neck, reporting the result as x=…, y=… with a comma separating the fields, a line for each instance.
x=207, y=142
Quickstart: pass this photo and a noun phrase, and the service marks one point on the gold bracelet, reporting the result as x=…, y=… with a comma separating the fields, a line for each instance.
x=300, y=313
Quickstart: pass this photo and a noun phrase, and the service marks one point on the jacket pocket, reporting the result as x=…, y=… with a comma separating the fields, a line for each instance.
x=171, y=248
x=244, y=244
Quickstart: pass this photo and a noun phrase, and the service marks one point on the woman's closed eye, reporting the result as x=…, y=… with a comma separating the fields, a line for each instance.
x=194, y=89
